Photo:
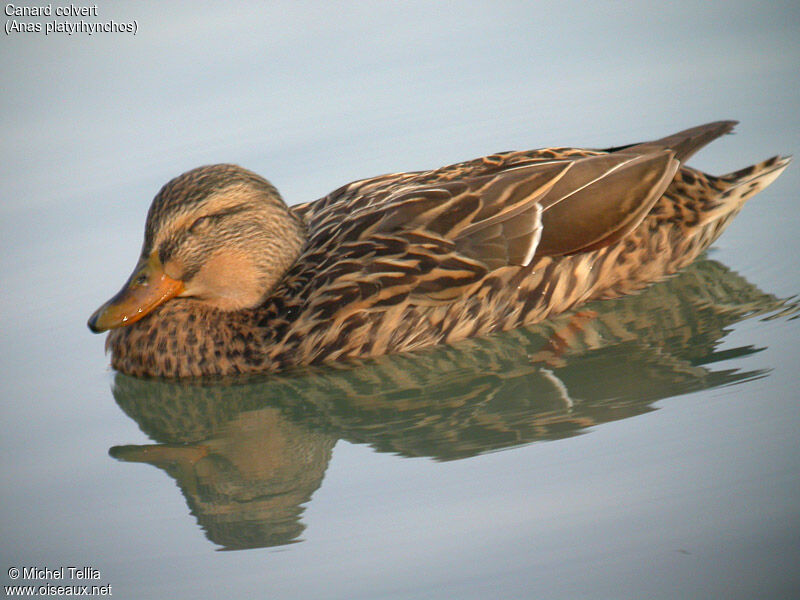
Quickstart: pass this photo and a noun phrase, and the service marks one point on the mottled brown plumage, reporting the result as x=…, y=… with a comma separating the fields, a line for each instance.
x=236, y=282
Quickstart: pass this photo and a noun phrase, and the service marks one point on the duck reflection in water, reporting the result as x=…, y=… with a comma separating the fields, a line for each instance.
x=248, y=455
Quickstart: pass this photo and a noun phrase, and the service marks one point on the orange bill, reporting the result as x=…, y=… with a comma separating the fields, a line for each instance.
x=147, y=288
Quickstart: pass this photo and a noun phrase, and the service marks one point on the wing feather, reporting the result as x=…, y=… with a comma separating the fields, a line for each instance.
x=430, y=239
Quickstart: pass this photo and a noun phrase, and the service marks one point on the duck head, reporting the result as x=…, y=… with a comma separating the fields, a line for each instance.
x=220, y=234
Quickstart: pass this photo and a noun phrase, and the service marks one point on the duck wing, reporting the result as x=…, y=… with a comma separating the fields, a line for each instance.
x=431, y=243
x=545, y=209
x=684, y=143
x=602, y=199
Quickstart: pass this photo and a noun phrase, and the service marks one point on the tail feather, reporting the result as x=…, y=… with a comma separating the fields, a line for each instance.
x=747, y=182
x=738, y=187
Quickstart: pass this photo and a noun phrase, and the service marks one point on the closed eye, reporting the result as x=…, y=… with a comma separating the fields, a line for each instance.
x=199, y=223
x=206, y=219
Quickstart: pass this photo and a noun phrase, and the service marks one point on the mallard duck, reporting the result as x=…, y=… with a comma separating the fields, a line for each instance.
x=232, y=280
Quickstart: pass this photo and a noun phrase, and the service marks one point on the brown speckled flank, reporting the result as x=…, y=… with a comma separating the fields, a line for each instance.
x=407, y=260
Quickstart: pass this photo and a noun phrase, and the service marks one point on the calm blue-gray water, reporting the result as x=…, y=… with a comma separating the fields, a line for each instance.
x=651, y=451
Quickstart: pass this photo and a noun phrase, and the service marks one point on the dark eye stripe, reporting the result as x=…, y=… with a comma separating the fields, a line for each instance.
x=217, y=215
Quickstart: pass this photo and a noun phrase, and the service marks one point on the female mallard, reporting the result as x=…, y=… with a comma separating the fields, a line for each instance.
x=231, y=280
